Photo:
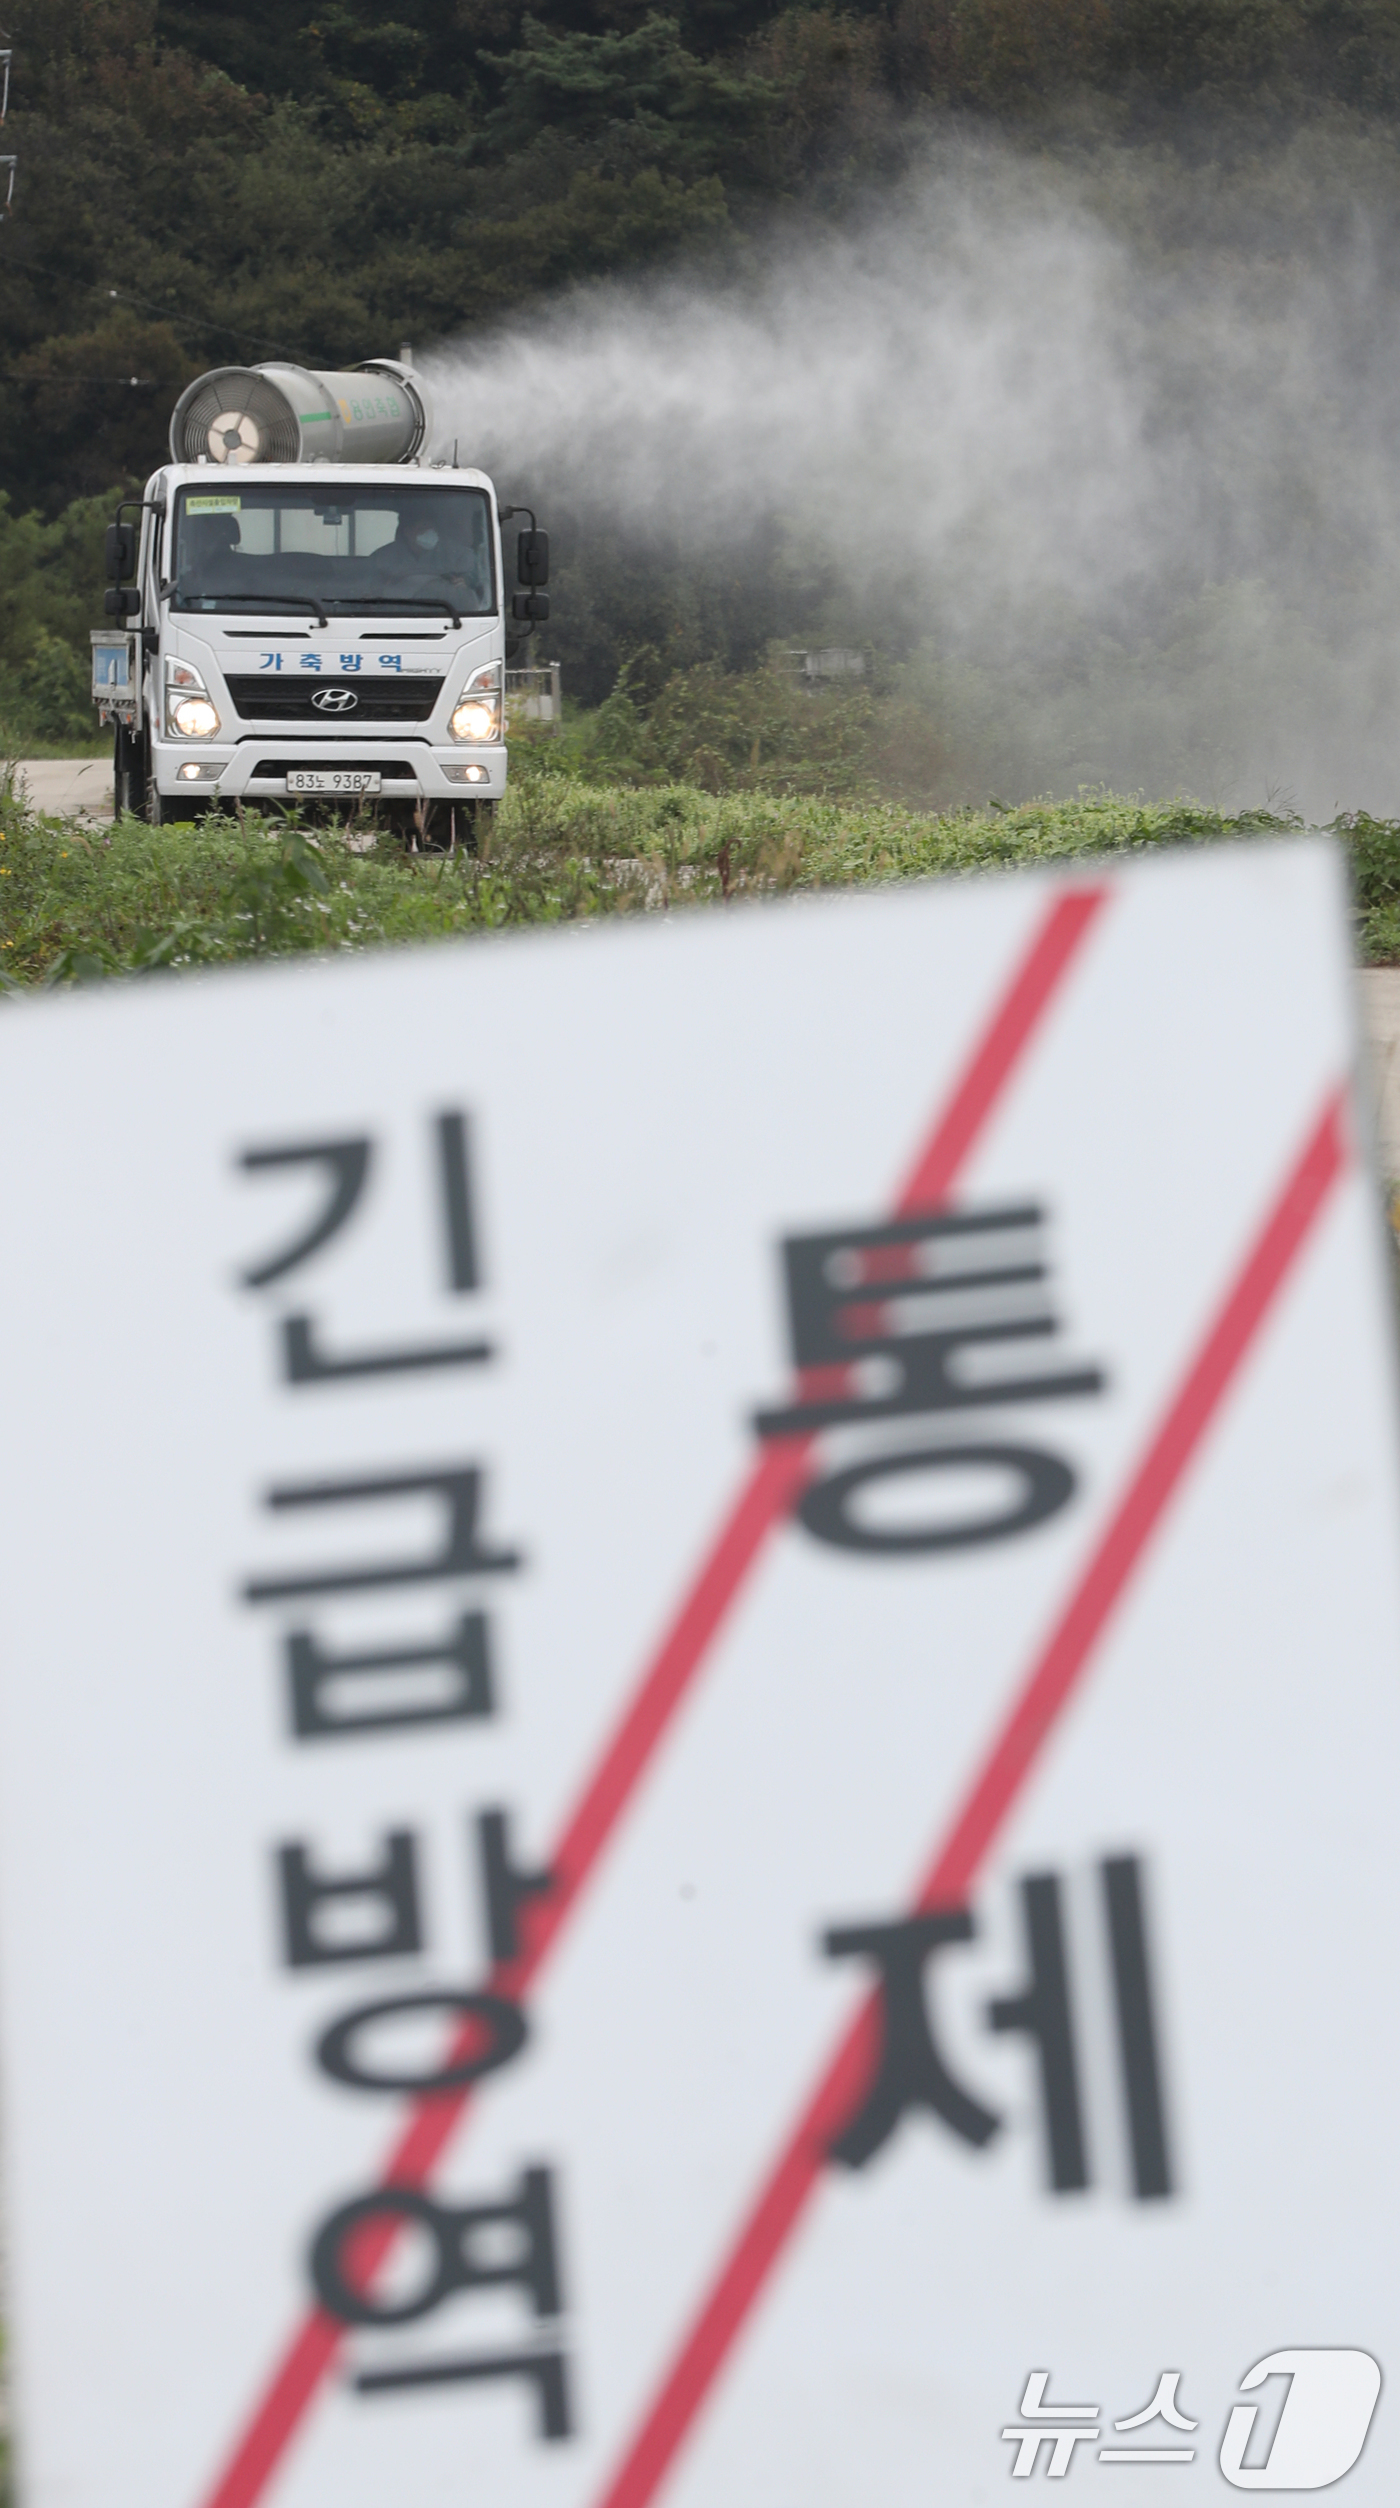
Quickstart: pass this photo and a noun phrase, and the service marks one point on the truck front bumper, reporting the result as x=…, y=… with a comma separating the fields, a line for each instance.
x=255, y=767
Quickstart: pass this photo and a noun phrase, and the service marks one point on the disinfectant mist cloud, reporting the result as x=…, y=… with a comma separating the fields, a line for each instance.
x=1112, y=453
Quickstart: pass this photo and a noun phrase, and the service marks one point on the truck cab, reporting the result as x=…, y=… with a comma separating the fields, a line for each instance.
x=311, y=630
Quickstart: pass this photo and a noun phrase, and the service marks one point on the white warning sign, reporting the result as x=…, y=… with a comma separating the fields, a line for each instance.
x=700, y=1714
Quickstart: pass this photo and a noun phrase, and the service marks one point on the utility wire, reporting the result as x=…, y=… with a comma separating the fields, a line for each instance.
x=193, y=321
x=181, y=321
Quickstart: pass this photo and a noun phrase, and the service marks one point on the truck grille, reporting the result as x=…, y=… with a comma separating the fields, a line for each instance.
x=398, y=767
x=383, y=699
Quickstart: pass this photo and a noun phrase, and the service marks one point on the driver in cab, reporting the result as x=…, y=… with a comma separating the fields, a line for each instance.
x=427, y=551
x=210, y=545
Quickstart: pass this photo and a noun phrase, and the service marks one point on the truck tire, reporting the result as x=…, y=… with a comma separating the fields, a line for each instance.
x=129, y=773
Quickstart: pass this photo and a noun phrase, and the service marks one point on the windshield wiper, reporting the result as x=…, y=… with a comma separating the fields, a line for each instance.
x=260, y=601
x=415, y=601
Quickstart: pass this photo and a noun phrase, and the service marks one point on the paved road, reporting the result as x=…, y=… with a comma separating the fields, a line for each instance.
x=69, y=786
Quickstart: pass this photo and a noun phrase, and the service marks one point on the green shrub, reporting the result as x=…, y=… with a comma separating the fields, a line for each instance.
x=53, y=692
x=731, y=731
x=77, y=903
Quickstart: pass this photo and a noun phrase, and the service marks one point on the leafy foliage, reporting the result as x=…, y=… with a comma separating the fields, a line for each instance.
x=640, y=95
x=314, y=181
x=757, y=731
x=78, y=904
x=52, y=578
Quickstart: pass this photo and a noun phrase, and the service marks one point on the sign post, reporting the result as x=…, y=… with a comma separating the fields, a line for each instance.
x=700, y=1710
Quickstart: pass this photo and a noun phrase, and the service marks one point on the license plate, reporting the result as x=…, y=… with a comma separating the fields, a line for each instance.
x=334, y=779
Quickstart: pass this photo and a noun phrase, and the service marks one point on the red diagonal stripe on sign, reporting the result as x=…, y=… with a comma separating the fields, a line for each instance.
x=1054, y=1676
x=764, y=1500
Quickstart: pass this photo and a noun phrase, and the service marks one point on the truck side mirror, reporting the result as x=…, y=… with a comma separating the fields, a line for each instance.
x=121, y=550
x=122, y=604
x=532, y=557
x=533, y=605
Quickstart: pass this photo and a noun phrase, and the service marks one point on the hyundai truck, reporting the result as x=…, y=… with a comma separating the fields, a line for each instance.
x=317, y=613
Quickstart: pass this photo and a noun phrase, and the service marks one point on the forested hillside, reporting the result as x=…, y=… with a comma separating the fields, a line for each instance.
x=326, y=179
x=320, y=180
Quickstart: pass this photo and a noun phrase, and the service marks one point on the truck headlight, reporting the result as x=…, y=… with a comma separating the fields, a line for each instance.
x=189, y=709
x=477, y=712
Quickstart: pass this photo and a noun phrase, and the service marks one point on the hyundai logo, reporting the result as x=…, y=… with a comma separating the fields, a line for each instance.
x=335, y=700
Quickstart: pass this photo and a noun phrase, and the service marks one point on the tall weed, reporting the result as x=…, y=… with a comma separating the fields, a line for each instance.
x=80, y=903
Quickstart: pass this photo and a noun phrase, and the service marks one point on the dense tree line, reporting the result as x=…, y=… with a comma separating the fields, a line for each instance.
x=323, y=179
x=315, y=178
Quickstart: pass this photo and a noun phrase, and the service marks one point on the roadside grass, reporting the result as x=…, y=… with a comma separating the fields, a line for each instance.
x=26, y=745
x=78, y=902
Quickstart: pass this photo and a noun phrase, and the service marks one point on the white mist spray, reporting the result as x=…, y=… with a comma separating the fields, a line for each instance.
x=1113, y=451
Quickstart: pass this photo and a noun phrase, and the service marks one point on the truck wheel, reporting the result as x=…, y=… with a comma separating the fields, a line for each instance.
x=158, y=811
x=129, y=774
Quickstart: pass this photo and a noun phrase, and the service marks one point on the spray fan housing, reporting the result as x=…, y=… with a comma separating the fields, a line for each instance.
x=380, y=412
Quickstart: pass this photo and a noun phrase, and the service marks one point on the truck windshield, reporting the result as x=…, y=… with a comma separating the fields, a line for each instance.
x=354, y=548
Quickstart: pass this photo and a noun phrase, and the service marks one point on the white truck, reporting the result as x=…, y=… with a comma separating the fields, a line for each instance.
x=317, y=613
